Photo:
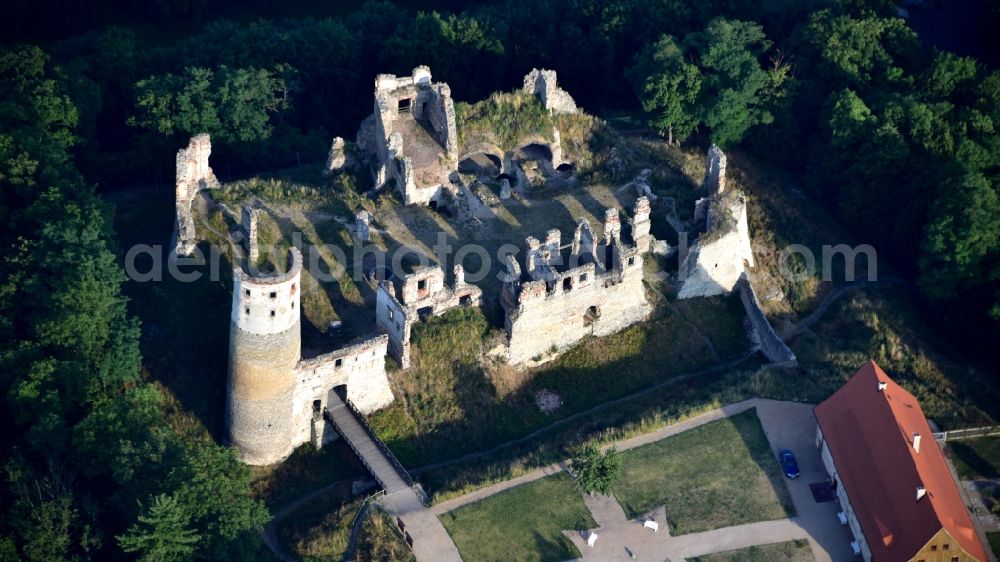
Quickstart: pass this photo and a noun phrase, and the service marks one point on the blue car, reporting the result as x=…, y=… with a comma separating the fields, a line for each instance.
x=788, y=464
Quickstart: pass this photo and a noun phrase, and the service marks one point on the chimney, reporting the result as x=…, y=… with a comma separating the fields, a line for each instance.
x=916, y=442
x=921, y=492
x=882, y=385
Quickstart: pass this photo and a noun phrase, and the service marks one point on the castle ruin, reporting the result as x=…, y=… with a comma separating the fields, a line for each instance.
x=412, y=135
x=719, y=256
x=193, y=175
x=567, y=292
x=275, y=399
x=411, y=140
x=418, y=296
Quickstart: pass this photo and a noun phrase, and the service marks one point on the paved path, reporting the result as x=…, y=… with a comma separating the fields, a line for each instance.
x=663, y=432
x=788, y=425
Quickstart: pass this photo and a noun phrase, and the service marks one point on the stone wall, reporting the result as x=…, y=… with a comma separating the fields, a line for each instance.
x=718, y=257
x=421, y=294
x=336, y=159
x=192, y=175
x=441, y=116
x=764, y=335
x=359, y=367
x=594, y=290
x=715, y=171
x=248, y=221
x=543, y=83
x=715, y=261
x=553, y=320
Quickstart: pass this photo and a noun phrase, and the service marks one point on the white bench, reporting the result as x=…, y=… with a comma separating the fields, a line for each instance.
x=650, y=524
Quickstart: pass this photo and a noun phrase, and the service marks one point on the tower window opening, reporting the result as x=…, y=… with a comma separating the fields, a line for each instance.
x=273, y=294
x=272, y=314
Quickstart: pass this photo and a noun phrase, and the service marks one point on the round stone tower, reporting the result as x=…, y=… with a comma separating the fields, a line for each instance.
x=264, y=348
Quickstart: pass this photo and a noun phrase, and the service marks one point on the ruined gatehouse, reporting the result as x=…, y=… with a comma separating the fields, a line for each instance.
x=275, y=399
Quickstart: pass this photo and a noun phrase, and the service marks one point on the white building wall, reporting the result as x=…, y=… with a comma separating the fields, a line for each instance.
x=845, y=503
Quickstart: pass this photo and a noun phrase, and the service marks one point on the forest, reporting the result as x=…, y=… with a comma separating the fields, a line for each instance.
x=899, y=138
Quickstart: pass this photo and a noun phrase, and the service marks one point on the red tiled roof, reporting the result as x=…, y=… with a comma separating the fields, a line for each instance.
x=870, y=436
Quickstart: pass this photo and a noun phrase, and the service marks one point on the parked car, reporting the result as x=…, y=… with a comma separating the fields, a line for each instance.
x=788, y=464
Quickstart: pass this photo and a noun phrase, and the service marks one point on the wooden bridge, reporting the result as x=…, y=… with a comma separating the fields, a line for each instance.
x=423, y=531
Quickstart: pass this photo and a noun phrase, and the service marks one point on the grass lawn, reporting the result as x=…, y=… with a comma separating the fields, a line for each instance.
x=713, y=476
x=976, y=458
x=791, y=551
x=524, y=523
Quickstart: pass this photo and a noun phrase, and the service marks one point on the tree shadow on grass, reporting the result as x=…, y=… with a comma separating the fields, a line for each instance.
x=982, y=467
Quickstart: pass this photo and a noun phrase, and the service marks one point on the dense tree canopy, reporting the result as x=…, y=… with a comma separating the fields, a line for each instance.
x=87, y=438
x=900, y=140
x=724, y=88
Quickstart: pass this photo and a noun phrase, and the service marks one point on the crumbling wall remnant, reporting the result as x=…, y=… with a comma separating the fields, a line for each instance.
x=402, y=302
x=718, y=257
x=564, y=296
x=543, y=83
x=192, y=175
x=337, y=159
x=763, y=334
x=715, y=171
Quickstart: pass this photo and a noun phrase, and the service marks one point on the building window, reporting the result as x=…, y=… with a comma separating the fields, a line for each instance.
x=583, y=277
x=567, y=283
x=317, y=405
x=954, y=559
x=945, y=546
x=247, y=292
x=631, y=261
x=272, y=314
x=338, y=362
x=933, y=548
x=246, y=310
x=273, y=295
x=405, y=104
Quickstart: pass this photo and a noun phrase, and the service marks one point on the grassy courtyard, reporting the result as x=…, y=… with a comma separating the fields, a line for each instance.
x=524, y=523
x=713, y=476
x=976, y=458
x=791, y=551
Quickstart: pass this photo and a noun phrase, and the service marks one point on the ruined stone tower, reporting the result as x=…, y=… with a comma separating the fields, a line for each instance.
x=264, y=350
